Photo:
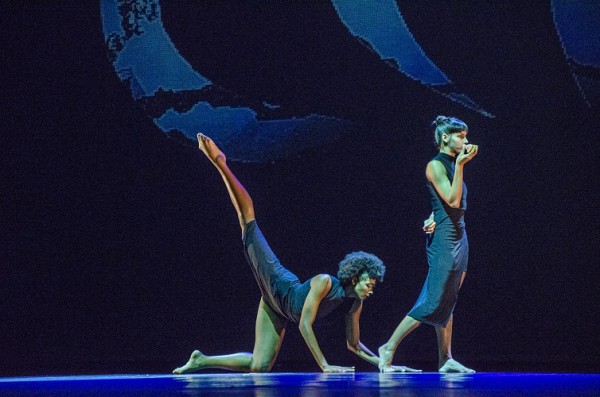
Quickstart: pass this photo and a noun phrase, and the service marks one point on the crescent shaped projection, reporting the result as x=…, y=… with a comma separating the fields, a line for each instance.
x=182, y=102
x=578, y=27
x=380, y=25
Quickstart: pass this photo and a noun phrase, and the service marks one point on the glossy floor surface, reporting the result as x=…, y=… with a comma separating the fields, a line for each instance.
x=307, y=384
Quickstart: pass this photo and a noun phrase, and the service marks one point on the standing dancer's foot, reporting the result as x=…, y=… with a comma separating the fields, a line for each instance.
x=385, y=359
x=193, y=364
x=455, y=367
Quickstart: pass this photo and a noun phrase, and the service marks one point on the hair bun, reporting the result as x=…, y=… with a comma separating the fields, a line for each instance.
x=439, y=120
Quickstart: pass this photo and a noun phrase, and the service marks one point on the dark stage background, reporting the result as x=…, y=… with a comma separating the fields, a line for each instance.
x=120, y=251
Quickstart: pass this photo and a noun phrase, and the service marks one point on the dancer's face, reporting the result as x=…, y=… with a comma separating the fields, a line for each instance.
x=364, y=286
x=456, y=141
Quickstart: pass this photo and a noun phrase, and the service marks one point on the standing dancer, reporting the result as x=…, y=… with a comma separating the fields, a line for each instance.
x=285, y=299
x=447, y=247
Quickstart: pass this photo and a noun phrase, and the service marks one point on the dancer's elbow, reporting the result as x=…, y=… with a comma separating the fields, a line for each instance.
x=353, y=347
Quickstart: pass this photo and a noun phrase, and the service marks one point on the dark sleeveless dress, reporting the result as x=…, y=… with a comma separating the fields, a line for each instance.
x=281, y=290
x=447, y=255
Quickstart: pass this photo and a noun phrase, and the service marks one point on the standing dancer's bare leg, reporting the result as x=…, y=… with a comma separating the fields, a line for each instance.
x=269, y=328
x=386, y=351
x=444, y=339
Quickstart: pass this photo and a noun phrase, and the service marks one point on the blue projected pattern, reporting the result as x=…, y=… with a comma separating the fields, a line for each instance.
x=578, y=26
x=182, y=102
x=382, y=26
x=146, y=56
x=275, y=106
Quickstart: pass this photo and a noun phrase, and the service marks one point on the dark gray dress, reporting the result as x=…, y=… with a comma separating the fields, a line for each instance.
x=281, y=290
x=447, y=255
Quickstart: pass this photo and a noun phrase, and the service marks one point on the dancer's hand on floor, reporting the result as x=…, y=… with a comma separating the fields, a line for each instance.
x=401, y=368
x=337, y=369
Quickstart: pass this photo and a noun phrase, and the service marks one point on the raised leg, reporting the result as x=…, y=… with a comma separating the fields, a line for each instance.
x=240, y=198
x=270, y=330
x=386, y=351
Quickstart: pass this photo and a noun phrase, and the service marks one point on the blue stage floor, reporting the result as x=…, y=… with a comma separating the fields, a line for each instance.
x=307, y=384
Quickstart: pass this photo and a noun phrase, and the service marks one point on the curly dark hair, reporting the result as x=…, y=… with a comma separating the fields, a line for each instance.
x=357, y=263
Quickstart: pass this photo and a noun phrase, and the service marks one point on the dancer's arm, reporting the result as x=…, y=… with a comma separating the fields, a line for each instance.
x=356, y=346
x=353, y=335
x=436, y=174
x=240, y=198
x=319, y=287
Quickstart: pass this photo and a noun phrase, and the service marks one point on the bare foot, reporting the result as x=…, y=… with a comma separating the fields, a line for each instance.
x=209, y=148
x=385, y=359
x=193, y=364
x=454, y=366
